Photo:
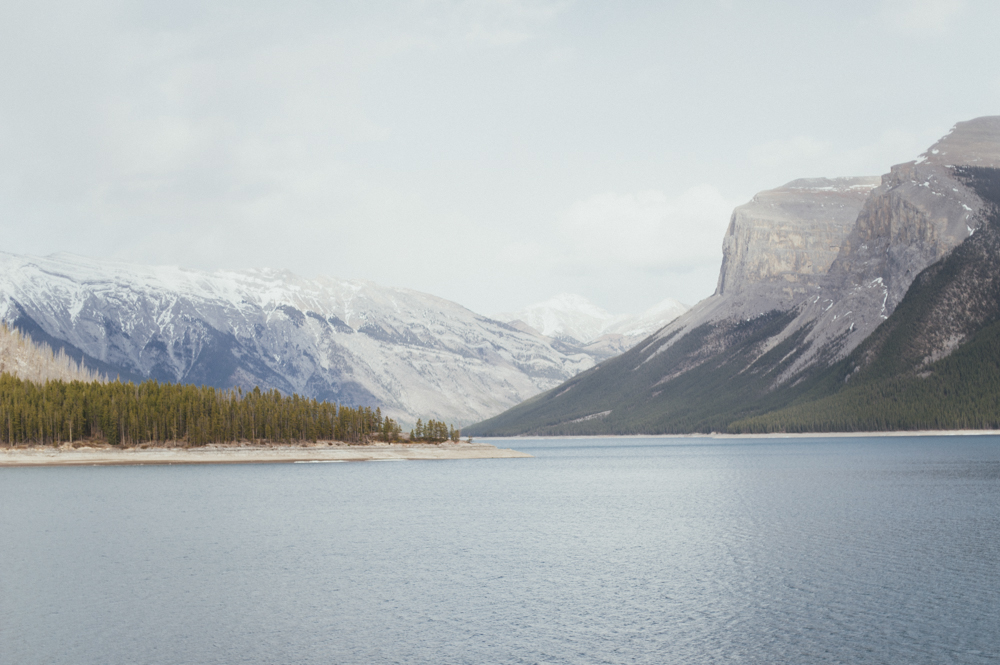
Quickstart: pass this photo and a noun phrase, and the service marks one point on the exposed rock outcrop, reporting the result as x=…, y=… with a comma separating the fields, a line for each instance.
x=918, y=213
x=781, y=243
x=810, y=270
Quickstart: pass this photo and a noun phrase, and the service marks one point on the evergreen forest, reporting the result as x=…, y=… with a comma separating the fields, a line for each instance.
x=127, y=414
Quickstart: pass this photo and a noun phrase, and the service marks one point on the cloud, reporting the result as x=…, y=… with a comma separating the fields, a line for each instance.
x=893, y=146
x=791, y=151
x=922, y=17
x=625, y=250
x=487, y=22
x=647, y=230
x=806, y=156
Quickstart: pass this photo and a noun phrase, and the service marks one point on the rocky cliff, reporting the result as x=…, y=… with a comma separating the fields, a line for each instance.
x=934, y=362
x=884, y=236
x=810, y=270
x=919, y=213
x=781, y=243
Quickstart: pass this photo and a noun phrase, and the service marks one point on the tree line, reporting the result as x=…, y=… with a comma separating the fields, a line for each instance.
x=960, y=391
x=57, y=412
x=434, y=431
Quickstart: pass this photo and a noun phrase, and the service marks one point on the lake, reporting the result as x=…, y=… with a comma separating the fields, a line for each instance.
x=613, y=550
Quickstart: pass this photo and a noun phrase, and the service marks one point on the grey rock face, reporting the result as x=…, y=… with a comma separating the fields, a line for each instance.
x=803, y=283
x=779, y=250
x=353, y=342
x=919, y=214
x=787, y=238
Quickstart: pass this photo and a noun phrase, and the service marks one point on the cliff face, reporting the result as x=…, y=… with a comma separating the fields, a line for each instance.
x=810, y=270
x=919, y=214
x=787, y=238
x=934, y=362
x=952, y=299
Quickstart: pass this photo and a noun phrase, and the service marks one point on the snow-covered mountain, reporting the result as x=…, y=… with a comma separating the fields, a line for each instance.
x=574, y=320
x=350, y=341
x=567, y=317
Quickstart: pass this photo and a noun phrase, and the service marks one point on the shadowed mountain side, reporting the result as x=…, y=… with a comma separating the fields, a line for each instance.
x=685, y=388
x=935, y=363
x=27, y=326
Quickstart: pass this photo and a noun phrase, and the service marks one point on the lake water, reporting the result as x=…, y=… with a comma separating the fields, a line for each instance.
x=868, y=550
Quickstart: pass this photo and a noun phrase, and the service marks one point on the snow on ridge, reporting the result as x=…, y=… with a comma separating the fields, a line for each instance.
x=265, y=288
x=353, y=341
x=572, y=317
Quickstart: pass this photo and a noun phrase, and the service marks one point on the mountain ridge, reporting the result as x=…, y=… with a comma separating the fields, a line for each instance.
x=350, y=341
x=784, y=312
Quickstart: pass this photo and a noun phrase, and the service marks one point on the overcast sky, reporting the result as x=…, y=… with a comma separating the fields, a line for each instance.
x=493, y=152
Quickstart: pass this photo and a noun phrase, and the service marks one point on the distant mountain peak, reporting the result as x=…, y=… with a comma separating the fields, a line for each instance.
x=572, y=318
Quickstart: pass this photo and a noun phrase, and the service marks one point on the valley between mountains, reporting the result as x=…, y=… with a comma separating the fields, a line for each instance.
x=857, y=303
x=353, y=342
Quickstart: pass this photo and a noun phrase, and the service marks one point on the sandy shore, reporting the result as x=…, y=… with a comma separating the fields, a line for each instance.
x=234, y=454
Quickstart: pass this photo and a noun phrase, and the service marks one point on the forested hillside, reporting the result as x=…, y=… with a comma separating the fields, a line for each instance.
x=49, y=398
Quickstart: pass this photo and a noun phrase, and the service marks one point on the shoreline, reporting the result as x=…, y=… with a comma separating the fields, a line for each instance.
x=772, y=435
x=250, y=454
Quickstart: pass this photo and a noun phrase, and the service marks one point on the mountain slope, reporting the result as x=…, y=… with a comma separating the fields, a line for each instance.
x=26, y=360
x=353, y=342
x=935, y=363
x=810, y=270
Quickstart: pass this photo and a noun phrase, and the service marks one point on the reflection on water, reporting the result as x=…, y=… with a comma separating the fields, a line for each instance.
x=626, y=550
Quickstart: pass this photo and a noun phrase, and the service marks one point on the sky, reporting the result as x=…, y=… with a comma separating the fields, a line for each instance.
x=491, y=152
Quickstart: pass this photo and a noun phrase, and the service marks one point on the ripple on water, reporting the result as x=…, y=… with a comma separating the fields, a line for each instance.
x=607, y=551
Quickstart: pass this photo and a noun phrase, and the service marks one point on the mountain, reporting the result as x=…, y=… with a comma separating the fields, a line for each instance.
x=575, y=321
x=810, y=270
x=350, y=341
x=934, y=363
x=21, y=357
x=567, y=317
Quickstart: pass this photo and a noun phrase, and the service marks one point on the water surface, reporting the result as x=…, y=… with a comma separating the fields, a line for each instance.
x=868, y=550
